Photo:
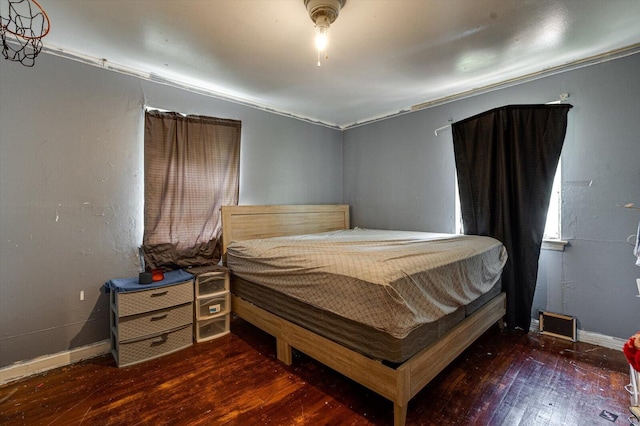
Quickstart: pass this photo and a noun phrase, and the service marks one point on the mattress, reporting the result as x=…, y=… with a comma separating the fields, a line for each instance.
x=397, y=283
x=356, y=336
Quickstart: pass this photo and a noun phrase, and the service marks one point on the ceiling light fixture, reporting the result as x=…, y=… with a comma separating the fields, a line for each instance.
x=323, y=13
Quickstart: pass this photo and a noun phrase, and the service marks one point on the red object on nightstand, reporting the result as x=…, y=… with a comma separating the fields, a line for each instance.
x=157, y=275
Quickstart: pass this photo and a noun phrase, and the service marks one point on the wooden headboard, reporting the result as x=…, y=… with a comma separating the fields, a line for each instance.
x=249, y=222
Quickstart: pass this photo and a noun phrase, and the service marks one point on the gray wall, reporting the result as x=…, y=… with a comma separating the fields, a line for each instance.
x=398, y=174
x=71, y=190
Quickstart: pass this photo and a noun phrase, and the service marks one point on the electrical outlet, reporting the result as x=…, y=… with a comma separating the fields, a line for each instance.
x=82, y=295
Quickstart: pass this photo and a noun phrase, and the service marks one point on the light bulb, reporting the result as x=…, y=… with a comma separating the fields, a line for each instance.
x=322, y=35
x=321, y=40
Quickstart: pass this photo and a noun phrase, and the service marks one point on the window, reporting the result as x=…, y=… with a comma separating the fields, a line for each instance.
x=552, y=231
x=191, y=169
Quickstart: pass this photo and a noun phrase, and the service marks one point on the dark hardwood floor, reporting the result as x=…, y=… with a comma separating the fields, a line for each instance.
x=505, y=378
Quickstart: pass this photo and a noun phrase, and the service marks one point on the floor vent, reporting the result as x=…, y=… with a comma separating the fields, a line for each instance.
x=558, y=325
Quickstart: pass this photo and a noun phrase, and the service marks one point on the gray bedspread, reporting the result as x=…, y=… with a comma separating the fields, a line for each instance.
x=393, y=281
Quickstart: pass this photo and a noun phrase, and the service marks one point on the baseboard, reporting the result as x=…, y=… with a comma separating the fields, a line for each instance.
x=47, y=362
x=601, y=340
x=590, y=337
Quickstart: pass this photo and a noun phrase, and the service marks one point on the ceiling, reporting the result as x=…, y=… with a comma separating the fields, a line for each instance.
x=385, y=56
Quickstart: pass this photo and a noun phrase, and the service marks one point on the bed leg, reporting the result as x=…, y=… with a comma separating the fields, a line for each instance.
x=501, y=324
x=399, y=414
x=283, y=349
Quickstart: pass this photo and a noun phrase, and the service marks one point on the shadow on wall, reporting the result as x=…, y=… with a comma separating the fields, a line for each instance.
x=96, y=327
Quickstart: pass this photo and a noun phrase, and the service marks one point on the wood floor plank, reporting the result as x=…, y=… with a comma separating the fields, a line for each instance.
x=505, y=378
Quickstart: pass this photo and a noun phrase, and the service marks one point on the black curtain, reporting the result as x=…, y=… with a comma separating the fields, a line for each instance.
x=506, y=159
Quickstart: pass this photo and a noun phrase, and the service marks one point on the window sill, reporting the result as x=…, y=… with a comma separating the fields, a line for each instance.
x=556, y=245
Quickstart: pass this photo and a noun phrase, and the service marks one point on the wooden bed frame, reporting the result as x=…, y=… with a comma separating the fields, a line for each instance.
x=396, y=384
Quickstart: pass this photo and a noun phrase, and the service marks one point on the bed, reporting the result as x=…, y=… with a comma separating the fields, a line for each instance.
x=394, y=360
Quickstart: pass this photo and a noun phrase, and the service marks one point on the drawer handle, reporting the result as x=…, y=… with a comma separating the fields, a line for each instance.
x=162, y=293
x=160, y=340
x=159, y=317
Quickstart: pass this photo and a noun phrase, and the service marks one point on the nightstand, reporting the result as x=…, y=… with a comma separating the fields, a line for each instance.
x=212, y=304
x=149, y=321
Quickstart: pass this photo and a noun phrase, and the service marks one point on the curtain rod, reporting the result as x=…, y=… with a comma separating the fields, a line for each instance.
x=561, y=98
x=441, y=128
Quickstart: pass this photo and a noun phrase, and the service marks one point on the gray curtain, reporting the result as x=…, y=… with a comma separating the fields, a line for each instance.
x=191, y=169
x=506, y=159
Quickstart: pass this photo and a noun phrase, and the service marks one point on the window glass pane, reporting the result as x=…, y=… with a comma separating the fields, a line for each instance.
x=459, y=226
x=552, y=227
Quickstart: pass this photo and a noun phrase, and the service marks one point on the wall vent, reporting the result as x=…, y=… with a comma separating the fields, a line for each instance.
x=557, y=325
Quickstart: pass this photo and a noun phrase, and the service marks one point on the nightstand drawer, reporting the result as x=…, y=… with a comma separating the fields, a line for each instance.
x=133, y=326
x=137, y=302
x=210, y=283
x=133, y=352
x=212, y=328
x=212, y=306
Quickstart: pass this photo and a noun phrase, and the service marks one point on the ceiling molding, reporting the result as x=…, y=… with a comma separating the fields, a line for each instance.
x=153, y=77
x=593, y=60
x=157, y=78
x=619, y=53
